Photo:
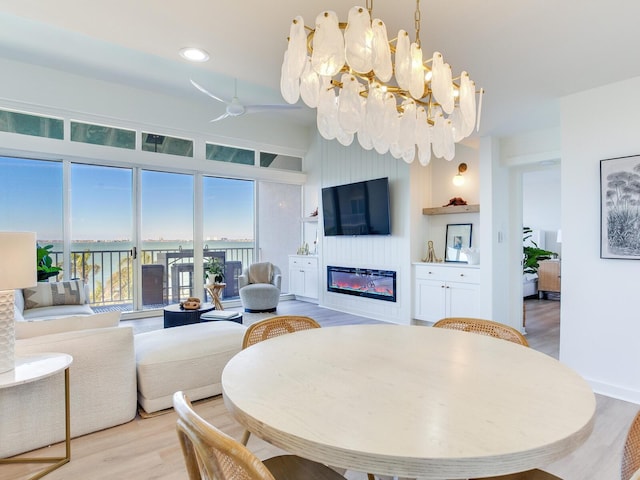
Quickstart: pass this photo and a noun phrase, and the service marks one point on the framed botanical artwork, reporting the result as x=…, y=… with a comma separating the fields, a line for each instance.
x=620, y=208
x=457, y=241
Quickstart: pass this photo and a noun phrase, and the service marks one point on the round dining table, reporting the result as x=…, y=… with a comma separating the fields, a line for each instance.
x=409, y=401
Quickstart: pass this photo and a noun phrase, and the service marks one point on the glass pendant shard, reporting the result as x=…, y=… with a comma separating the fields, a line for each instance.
x=382, y=65
x=416, y=83
x=289, y=87
x=297, y=48
x=407, y=130
x=309, y=85
x=403, y=60
x=364, y=140
x=358, y=39
x=328, y=45
x=374, y=111
x=447, y=141
x=349, y=104
x=437, y=138
x=467, y=99
x=441, y=83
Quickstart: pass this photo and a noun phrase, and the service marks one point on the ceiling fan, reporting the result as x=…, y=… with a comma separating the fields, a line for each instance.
x=235, y=108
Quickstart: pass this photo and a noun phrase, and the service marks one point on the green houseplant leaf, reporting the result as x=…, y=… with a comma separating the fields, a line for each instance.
x=533, y=255
x=44, y=263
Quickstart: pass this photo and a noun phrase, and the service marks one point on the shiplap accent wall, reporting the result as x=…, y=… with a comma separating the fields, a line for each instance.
x=334, y=164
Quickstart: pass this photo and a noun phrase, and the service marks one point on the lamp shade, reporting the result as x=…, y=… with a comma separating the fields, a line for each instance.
x=17, y=260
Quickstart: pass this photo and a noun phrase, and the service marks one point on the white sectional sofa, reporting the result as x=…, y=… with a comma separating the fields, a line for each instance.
x=103, y=388
x=102, y=377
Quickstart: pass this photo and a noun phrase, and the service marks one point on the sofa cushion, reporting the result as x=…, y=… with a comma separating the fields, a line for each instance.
x=56, y=311
x=28, y=329
x=46, y=294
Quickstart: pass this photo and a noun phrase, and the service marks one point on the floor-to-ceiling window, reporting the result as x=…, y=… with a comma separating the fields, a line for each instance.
x=166, y=236
x=31, y=200
x=228, y=226
x=101, y=232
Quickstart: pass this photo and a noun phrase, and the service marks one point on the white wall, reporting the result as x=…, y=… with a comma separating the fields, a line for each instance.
x=600, y=316
x=51, y=91
x=541, y=205
x=441, y=190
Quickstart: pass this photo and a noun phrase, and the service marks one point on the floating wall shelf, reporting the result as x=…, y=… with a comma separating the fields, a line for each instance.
x=451, y=209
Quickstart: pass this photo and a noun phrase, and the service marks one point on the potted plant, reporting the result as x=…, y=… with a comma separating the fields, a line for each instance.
x=44, y=263
x=532, y=255
x=214, y=270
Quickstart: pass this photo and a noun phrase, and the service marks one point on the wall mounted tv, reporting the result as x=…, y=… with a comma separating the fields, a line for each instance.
x=360, y=208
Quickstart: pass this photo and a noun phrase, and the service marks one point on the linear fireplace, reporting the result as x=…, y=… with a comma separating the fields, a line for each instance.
x=363, y=282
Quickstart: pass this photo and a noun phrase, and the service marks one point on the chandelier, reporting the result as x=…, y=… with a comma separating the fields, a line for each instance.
x=346, y=71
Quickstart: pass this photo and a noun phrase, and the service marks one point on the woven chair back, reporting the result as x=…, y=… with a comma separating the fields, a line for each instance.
x=211, y=454
x=483, y=327
x=276, y=326
x=631, y=452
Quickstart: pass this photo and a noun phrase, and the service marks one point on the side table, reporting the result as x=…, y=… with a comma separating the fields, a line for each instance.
x=215, y=289
x=175, y=316
x=31, y=369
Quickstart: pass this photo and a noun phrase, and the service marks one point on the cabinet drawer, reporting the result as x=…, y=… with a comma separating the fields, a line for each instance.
x=447, y=274
x=303, y=262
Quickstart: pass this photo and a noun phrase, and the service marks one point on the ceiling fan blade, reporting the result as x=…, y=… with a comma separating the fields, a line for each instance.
x=265, y=108
x=206, y=92
x=224, y=115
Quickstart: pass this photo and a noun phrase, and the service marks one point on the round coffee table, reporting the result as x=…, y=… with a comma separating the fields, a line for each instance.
x=176, y=316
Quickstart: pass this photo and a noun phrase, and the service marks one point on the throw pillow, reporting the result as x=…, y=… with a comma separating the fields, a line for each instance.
x=26, y=329
x=260, y=272
x=47, y=294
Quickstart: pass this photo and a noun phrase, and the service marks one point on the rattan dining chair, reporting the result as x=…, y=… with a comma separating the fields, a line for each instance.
x=211, y=454
x=483, y=327
x=274, y=327
x=631, y=451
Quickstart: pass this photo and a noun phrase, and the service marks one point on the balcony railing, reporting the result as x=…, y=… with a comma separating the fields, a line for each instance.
x=167, y=274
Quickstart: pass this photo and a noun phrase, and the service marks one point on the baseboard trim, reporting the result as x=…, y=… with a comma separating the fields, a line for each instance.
x=615, y=391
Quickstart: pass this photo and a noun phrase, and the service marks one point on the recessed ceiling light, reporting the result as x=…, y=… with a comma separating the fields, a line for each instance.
x=194, y=54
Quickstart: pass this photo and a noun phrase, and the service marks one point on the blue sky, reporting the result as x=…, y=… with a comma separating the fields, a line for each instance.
x=31, y=199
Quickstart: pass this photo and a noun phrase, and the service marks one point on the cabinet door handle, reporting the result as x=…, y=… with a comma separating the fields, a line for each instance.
x=447, y=286
x=441, y=286
x=462, y=274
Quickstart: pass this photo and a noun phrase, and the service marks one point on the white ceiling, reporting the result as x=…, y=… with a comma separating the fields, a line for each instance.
x=526, y=53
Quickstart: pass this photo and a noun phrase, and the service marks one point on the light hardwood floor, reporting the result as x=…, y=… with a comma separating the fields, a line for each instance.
x=148, y=448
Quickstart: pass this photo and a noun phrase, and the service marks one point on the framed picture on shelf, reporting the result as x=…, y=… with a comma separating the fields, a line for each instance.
x=619, y=214
x=457, y=241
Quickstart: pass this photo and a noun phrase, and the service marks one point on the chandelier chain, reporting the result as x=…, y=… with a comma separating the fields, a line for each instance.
x=370, y=6
x=417, y=18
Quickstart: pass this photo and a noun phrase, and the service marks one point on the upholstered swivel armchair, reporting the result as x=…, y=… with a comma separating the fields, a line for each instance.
x=260, y=287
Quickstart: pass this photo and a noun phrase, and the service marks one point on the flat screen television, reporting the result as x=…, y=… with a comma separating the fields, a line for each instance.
x=360, y=208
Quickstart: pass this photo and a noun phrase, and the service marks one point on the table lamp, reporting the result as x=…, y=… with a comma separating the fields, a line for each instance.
x=17, y=270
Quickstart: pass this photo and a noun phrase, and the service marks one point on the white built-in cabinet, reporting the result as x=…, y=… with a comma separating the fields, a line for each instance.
x=445, y=290
x=303, y=276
